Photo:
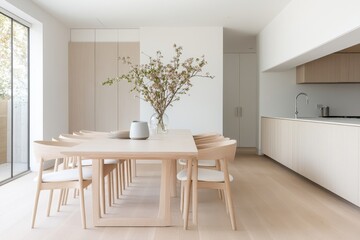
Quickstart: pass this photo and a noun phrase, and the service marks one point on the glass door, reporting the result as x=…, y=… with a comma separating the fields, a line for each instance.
x=14, y=98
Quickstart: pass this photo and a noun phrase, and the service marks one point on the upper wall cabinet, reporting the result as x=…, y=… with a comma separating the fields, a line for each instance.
x=334, y=68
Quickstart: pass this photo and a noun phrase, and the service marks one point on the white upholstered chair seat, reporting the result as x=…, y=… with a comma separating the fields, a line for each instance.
x=201, y=163
x=207, y=175
x=67, y=175
x=88, y=162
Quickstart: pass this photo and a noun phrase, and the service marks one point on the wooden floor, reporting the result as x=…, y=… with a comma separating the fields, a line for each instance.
x=271, y=203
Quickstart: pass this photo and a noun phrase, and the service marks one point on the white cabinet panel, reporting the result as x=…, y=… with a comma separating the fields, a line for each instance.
x=342, y=165
x=327, y=154
x=240, y=98
x=313, y=142
x=248, y=99
x=231, y=97
x=284, y=142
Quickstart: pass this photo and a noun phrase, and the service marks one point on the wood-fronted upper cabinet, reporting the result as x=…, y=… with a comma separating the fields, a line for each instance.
x=334, y=68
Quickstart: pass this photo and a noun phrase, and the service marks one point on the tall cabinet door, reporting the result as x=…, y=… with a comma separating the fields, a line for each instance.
x=231, y=101
x=129, y=102
x=240, y=98
x=105, y=96
x=94, y=106
x=248, y=100
x=81, y=86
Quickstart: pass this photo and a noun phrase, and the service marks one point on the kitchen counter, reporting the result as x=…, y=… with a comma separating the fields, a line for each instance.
x=324, y=150
x=337, y=121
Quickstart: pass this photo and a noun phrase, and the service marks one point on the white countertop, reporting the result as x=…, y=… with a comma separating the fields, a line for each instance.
x=337, y=121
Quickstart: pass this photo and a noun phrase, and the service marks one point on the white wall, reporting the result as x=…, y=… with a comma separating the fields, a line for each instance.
x=48, y=72
x=308, y=29
x=201, y=111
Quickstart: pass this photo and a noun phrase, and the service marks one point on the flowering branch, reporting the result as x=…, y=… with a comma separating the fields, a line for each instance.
x=162, y=84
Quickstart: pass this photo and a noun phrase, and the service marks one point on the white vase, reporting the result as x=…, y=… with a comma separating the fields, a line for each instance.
x=139, y=130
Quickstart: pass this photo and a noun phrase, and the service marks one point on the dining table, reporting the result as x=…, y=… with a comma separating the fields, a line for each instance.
x=169, y=147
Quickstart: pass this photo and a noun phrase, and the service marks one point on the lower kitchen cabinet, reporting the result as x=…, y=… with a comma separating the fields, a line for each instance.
x=327, y=154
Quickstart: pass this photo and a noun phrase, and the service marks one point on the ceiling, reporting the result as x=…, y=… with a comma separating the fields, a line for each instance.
x=242, y=19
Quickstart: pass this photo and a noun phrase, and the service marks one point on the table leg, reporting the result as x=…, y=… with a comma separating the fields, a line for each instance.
x=164, y=205
x=194, y=191
x=187, y=194
x=95, y=190
x=173, y=178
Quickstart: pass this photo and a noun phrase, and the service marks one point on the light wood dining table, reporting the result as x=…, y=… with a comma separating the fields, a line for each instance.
x=167, y=147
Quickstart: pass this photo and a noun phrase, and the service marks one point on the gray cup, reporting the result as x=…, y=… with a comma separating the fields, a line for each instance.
x=325, y=111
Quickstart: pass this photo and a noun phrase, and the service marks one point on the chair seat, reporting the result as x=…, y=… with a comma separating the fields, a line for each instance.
x=205, y=175
x=201, y=163
x=67, y=175
x=88, y=162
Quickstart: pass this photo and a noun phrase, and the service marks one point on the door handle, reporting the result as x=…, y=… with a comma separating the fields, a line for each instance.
x=238, y=111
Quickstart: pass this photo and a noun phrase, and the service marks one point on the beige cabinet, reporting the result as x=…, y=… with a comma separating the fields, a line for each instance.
x=277, y=141
x=93, y=106
x=81, y=86
x=334, y=68
x=327, y=154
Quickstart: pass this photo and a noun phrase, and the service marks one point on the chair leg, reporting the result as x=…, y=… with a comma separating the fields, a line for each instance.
x=49, y=203
x=35, y=207
x=134, y=168
x=119, y=178
x=228, y=198
x=230, y=207
x=117, y=172
x=181, y=196
x=60, y=199
x=66, y=196
x=82, y=204
x=127, y=172
x=130, y=170
x=123, y=175
x=109, y=188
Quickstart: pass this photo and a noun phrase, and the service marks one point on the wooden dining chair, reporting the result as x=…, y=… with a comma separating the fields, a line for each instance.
x=224, y=151
x=110, y=166
x=127, y=166
x=79, y=177
x=207, y=163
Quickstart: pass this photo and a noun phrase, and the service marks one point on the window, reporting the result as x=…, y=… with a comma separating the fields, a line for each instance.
x=14, y=98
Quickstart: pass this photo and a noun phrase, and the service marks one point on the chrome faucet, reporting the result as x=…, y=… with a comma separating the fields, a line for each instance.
x=307, y=102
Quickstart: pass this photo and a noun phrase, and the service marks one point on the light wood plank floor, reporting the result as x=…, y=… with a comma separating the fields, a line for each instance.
x=271, y=203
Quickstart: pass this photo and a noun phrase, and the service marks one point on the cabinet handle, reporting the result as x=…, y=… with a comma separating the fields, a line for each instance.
x=240, y=111
x=236, y=112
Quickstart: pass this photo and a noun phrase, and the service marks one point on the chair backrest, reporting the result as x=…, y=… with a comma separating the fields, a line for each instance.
x=48, y=150
x=74, y=138
x=209, y=139
x=205, y=135
x=213, y=143
x=84, y=132
x=221, y=150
